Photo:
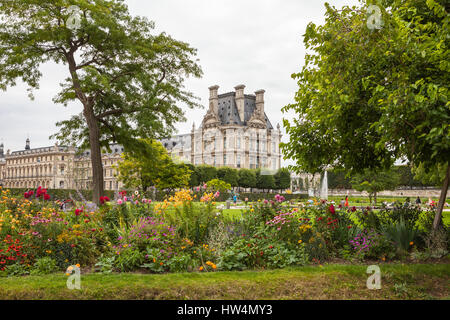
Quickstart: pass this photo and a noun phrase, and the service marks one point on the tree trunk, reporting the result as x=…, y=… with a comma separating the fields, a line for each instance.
x=96, y=156
x=375, y=199
x=438, y=216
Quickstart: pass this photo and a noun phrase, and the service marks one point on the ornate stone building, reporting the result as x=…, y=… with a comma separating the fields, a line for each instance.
x=235, y=132
x=56, y=167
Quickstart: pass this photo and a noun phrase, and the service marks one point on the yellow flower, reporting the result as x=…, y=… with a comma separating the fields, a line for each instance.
x=300, y=241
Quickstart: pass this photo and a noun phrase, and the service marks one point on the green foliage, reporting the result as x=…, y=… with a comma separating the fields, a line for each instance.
x=218, y=185
x=259, y=252
x=129, y=259
x=430, y=176
x=229, y=175
x=16, y=269
x=282, y=179
x=206, y=173
x=128, y=79
x=264, y=181
x=247, y=178
x=44, y=265
x=402, y=234
x=374, y=181
x=105, y=264
x=152, y=166
x=369, y=97
x=337, y=179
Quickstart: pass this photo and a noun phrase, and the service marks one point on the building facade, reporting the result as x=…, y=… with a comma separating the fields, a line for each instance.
x=235, y=132
x=56, y=167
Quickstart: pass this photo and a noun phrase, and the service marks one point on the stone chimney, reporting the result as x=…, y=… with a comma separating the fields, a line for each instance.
x=240, y=101
x=260, y=102
x=214, y=99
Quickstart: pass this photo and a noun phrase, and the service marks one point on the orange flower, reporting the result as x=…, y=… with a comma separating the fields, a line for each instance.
x=161, y=263
x=154, y=260
x=201, y=268
x=78, y=265
x=411, y=243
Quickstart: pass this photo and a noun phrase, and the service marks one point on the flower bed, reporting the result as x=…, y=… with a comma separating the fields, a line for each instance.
x=187, y=232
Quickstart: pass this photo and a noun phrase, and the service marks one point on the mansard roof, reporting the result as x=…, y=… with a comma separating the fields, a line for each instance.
x=229, y=114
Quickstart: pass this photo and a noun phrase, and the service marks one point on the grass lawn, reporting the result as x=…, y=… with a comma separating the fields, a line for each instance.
x=398, y=281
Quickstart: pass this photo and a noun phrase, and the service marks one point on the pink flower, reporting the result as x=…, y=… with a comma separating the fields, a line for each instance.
x=125, y=198
x=119, y=201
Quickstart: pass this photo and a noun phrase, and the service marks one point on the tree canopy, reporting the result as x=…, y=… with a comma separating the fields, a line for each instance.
x=152, y=167
x=368, y=97
x=128, y=79
x=375, y=181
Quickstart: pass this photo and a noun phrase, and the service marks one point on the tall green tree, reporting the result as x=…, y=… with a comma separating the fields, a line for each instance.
x=282, y=179
x=128, y=79
x=374, y=181
x=264, y=181
x=229, y=175
x=152, y=167
x=206, y=173
x=247, y=178
x=370, y=96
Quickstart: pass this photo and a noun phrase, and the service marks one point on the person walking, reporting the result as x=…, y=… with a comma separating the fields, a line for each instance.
x=418, y=201
x=346, y=201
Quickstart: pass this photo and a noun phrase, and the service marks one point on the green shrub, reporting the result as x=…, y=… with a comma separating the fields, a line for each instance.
x=401, y=234
x=16, y=269
x=44, y=265
x=129, y=259
x=105, y=264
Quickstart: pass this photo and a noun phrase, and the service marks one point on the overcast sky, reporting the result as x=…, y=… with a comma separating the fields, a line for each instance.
x=258, y=43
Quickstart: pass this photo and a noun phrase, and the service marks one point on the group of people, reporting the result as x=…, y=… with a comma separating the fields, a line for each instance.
x=430, y=202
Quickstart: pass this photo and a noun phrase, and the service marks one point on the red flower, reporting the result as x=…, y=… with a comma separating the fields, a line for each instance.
x=331, y=208
x=78, y=212
x=104, y=199
x=353, y=209
x=46, y=196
